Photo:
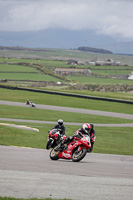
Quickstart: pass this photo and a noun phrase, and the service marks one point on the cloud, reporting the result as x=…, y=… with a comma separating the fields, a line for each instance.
x=114, y=17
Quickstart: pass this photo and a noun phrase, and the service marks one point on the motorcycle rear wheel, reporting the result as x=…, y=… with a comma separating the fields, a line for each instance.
x=77, y=156
x=54, y=154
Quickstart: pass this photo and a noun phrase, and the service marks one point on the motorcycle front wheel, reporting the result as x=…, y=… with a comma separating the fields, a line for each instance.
x=49, y=144
x=79, y=155
x=54, y=154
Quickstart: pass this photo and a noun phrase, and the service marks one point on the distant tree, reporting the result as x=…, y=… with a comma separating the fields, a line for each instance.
x=95, y=50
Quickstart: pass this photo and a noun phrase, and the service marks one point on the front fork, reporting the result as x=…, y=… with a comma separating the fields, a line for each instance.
x=79, y=148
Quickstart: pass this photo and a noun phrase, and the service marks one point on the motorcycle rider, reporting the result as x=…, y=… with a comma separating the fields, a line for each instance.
x=86, y=129
x=60, y=126
x=27, y=102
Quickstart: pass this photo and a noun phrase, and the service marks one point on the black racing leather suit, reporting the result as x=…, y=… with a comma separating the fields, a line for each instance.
x=62, y=127
x=92, y=135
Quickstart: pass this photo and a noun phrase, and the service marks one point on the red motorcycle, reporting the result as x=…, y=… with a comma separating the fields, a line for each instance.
x=75, y=150
x=54, y=138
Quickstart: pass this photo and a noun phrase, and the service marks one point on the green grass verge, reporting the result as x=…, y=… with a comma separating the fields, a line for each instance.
x=112, y=95
x=109, y=140
x=15, y=112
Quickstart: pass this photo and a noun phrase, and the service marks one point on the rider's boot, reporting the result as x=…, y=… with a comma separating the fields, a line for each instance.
x=90, y=150
x=61, y=145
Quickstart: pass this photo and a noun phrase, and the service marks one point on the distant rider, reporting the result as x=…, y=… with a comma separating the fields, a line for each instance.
x=87, y=129
x=27, y=102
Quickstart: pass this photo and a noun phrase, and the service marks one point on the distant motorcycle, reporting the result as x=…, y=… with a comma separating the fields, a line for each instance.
x=32, y=104
x=75, y=150
x=54, y=138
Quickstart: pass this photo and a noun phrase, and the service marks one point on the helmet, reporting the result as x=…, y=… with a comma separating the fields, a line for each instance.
x=60, y=122
x=86, y=127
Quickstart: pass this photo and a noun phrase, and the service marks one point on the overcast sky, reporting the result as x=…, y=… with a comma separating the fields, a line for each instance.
x=109, y=17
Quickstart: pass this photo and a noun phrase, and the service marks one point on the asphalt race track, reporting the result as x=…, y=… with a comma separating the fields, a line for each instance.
x=29, y=173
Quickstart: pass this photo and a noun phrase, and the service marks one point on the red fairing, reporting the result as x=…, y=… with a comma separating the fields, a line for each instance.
x=54, y=138
x=77, y=142
x=53, y=134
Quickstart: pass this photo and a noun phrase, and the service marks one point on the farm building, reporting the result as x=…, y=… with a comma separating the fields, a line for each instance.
x=83, y=63
x=68, y=71
x=94, y=61
x=71, y=62
x=130, y=76
x=107, y=62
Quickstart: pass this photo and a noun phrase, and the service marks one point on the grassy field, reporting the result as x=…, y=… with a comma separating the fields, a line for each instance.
x=113, y=95
x=52, y=64
x=61, y=64
x=100, y=81
x=112, y=72
x=64, y=54
x=16, y=68
x=24, y=76
x=28, y=76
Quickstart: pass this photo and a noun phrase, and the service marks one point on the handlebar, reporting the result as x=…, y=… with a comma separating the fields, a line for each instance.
x=58, y=129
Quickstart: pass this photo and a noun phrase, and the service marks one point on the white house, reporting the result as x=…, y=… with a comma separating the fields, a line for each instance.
x=130, y=76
